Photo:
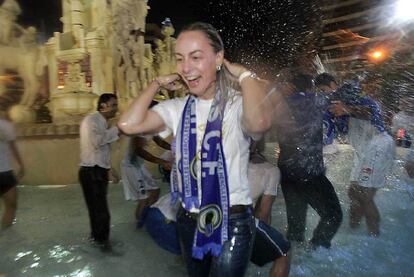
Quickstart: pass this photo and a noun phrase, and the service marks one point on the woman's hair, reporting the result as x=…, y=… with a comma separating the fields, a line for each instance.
x=226, y=82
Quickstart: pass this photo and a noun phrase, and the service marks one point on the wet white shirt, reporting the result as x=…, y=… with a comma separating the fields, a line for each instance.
x=264, y=179
x=374, y=153
x=235, y=141
x=95, y=141
x=7, y=134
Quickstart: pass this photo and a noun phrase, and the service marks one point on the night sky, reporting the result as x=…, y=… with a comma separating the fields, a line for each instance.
x=264, y=34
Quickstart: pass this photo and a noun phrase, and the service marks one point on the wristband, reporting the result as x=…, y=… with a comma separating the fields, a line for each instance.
x=246, y=74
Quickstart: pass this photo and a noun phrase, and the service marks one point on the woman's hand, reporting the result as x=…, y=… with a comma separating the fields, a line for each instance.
x=235, y=69
x=169, y=82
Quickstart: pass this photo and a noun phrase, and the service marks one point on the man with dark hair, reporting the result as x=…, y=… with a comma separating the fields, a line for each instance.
x=95, y=151
x=299, y=133
x=325, y=82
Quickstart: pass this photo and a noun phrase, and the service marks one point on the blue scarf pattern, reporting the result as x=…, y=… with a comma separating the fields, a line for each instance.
x=212, y=222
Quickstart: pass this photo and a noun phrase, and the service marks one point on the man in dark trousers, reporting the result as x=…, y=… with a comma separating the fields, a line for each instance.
x=95, y=152
x=299, y=127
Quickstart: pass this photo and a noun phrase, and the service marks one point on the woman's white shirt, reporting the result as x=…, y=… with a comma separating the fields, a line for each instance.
x=235, y=141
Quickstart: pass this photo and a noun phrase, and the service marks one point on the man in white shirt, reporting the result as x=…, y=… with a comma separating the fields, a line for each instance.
x=95, y=146
x=8, y=180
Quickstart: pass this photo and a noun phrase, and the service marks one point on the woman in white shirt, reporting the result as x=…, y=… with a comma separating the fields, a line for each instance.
x=212, y=127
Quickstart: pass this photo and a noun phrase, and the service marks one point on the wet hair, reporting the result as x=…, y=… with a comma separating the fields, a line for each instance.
x=104, y=98
x=324, y=79
x=302, y=82
x=226, y=82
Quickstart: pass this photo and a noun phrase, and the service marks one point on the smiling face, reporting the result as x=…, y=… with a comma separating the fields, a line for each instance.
x=197, y=62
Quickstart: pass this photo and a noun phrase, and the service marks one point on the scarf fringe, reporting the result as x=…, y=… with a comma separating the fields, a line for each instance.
x=200, y=252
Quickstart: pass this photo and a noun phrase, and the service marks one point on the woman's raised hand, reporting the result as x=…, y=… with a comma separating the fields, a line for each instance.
x=235, y=69
x=169, y=82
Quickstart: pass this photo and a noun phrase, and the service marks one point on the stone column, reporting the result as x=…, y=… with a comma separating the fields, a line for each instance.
x=52, y=65
x=95, y=45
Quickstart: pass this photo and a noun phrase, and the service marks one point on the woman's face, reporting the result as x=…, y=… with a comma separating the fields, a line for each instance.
x=197, y=62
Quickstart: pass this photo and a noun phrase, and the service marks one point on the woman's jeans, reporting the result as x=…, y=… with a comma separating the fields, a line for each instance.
x=235, y=254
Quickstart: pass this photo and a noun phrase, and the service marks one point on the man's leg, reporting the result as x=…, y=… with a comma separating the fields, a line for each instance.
x=94, y=183
x=10, y=206
x=101, y=205
x=144, y=204
x=296, y=208
x=270, y=246
x=322, y=197
x=372, y=214
x=263, y=209
x=356, y=210
x=280, y=267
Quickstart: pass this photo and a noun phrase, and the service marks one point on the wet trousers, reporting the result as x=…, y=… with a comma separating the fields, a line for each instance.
x=94, y=182
x=319, y=193
x=235, y=253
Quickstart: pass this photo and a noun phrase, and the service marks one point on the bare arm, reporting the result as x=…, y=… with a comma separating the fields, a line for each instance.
x=16, y=154
x=256, y=105
x=149, y=157
x=138, y=119
x=161, y=143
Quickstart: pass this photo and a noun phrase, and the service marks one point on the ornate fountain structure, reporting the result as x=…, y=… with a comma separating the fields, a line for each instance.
x=101, y=49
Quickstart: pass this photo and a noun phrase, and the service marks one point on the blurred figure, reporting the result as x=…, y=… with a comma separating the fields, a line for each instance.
x=299, y=127
x=374, y=149
x=95, y=153
x=137, y=181
x=8, y=180
x=264, y=178
x=403, y=130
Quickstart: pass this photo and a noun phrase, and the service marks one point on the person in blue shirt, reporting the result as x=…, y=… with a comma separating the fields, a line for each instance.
x=299, y=128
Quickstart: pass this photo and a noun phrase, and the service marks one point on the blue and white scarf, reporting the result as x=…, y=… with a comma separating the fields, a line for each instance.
x=212, y=222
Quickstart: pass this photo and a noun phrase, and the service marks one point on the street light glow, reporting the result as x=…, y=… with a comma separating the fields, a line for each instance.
x=404, y=10
x=377, y=55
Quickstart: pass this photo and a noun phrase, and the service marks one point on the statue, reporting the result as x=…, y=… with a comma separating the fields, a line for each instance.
x=21, y=54
x=128, y=36
x=9, y=11
x=164, y=53
x=75, y=80
x=168, y=30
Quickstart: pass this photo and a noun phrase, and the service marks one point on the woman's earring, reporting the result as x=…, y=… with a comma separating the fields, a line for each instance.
x=218, y=67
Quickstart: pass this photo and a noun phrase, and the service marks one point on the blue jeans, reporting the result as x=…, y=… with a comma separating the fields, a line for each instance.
x=235, y=254
x=162, y=231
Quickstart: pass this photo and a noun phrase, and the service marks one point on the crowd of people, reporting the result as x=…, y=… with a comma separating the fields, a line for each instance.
x=217, y=215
